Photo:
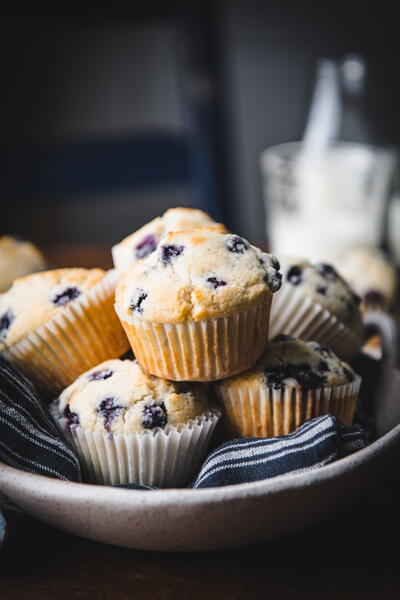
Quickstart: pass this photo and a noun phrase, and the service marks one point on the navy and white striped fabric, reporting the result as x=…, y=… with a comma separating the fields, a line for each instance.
x=317, y=442
x=29, y=439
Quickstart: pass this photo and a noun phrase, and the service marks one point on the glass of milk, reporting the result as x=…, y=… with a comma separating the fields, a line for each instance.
x=320, y=202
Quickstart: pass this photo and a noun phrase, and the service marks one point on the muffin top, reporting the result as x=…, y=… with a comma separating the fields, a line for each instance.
x=323, y=284
x=289, y=362
x=144, y=241
x=195, y=275
x=34, y=299
x=371, y=274
x=17, y=258
x=119, y=396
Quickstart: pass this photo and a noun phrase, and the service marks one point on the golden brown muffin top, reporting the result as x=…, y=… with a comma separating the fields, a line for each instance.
x=144, y=241
x=196, y=275
x=34, y=299
x=289, y=362
x=17, y=258
x=119, y=396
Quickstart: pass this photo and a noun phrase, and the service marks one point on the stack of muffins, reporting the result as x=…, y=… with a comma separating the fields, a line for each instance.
x=193, y=302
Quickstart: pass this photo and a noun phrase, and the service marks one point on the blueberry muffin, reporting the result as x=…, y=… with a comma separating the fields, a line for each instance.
x=198, y=307
x=143, y=242
x=315, y=302
x=144, y=429
x=17, y=258
x=372, y=276
x=56, y=324
x=118, y=396
x=294, y=381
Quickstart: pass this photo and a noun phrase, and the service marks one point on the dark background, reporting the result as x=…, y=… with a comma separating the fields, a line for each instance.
x=108, y=118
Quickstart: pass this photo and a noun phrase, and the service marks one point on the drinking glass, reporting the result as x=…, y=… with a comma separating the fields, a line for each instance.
x=319, y=203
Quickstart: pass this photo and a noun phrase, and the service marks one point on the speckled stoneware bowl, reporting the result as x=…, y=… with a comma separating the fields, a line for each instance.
x=174, y=520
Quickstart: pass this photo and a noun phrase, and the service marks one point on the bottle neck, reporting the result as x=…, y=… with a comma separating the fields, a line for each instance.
x=337, y=110
x=354, y=124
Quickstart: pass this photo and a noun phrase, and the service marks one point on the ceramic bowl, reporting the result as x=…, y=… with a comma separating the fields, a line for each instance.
x=214, y=518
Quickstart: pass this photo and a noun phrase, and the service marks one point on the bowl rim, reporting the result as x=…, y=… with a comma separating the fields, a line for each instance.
x=75, y=490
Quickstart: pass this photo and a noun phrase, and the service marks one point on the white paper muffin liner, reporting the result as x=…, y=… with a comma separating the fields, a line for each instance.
x=85, y=333
x=267, y=412
x=200, y=350
x=297, y=315
x=167, y=457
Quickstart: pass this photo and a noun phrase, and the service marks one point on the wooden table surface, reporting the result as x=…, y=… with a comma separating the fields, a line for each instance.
x=352, y=555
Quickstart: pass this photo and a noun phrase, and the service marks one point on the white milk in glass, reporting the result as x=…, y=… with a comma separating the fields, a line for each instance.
x=320, y=203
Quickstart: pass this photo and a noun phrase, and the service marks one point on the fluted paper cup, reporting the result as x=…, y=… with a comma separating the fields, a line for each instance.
x=167, y=457
x=200, y=350
x=294, y=314
x=267, y=412
x=85, y=333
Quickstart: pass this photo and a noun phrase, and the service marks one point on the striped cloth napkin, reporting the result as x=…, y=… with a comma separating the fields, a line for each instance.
x=29, y=438
x=314, y=444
